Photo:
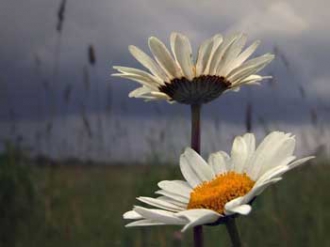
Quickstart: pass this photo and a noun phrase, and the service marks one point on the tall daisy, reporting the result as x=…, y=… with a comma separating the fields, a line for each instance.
x=221, y=65
x=225, y=186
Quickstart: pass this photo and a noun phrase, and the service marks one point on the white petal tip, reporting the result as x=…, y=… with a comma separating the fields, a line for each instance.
x=152, y=39
x=270, y=57
x=173, y=34
x=131, y=215
x=133, y=49
x=188, y=149
x=242, y=209
x=185, y=228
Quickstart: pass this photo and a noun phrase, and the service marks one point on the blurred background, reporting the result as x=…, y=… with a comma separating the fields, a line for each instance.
x=72, y=142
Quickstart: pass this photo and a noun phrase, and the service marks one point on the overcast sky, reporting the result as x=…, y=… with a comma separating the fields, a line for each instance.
x=297, y=30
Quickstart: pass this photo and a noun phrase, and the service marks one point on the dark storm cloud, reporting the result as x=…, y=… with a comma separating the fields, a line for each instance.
x=28, y=28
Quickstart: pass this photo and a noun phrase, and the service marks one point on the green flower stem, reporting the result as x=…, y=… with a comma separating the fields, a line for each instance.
x=195, y=128
x=233, y=232
x=195, y=144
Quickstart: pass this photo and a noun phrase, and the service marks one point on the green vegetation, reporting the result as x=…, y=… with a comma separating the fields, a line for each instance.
x=83, y=206
x=17, y=196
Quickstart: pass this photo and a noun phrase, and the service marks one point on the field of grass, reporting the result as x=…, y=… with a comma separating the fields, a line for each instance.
x=83, y=206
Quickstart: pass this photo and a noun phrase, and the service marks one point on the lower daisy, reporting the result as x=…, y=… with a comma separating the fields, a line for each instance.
x=223, y=187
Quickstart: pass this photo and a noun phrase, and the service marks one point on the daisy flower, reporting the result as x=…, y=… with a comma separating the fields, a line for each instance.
x=221, y=65
x=223, y=187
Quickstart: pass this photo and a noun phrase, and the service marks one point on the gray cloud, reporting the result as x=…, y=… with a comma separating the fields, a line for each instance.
x=299, y=30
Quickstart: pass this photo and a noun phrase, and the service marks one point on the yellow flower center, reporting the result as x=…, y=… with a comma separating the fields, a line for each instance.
x=216, y=193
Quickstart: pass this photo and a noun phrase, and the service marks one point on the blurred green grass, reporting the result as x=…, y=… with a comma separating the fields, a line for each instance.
x=83, y=206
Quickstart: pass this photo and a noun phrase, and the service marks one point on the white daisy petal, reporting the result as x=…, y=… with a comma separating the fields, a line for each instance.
x=234, y=88
x=145, y=223
x=196, y=164
x=218, y=55
x=245, y=54
x=278, y=170
x=148, y=62
x=243, y=209
x=206, y=54
x=188, y=172
x=180, y=204
x=265, y=152
x=147, y=98
x=250, y=67
x=238, y=206
x=216, y=41
x=140, y=91
x=159, y=216
x=252, y=79
x=273, y=173
x=164, y=58
x=198, y=217
x=300, y=162
x=219, y=162
x=138, y=72
x=203, y=55
x=159, y=95
x=280, y=151
x=239, y=154
x=237, y=80
x=230, y=55
x=145, y=92
x=176, y=187
x=179, y=198
x=235, y=202
x=132, y=215
x=159, y=203
x=250, y=141
x=182, y=52
x=285, y=150
x=141, y=79
x=258, y=189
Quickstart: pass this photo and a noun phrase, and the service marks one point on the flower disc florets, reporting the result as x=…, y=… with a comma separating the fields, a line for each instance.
x=216, y=193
